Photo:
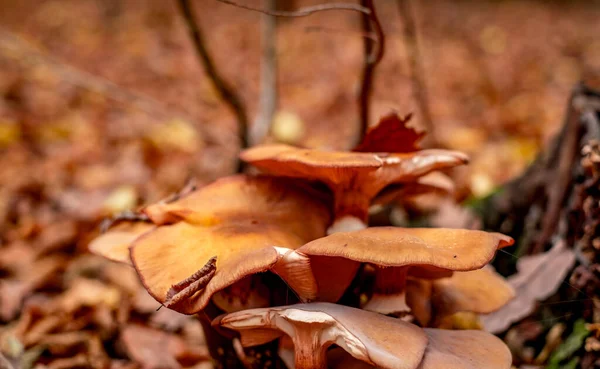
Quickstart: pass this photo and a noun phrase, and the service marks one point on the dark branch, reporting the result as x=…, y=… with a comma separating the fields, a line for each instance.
x=416, y=68
x=225, y=90
x=373, y=55
x=303, y=12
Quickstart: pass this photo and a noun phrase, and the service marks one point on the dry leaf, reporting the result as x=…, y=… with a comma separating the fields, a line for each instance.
x=391, y=134
x=155, y=349
x=538, y=277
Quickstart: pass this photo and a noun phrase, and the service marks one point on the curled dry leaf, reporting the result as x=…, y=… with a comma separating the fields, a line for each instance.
x=374, y=339
x=391, y=134
x=537, y=278
x=355, y=178
x=250, y=224
x=398, y=251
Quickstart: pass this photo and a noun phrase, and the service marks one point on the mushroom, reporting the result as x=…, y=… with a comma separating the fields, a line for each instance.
x=114, y=244
x=397, y=253
x=434, y=182
x=480, y=291
x=225, y=233
x=355, y=178
x=376, y=340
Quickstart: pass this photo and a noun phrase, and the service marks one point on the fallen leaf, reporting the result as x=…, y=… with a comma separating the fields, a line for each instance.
x=391, y=134
x=155, y=349
x=537, y=278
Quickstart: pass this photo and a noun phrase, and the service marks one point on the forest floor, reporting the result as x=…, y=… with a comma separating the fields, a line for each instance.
x=104, y=106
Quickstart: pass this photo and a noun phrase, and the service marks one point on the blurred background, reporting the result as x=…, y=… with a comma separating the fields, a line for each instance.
x=105, y=105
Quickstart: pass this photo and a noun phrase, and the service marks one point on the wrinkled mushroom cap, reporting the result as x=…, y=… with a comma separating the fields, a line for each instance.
x=114, y=244
x=466, y=349
x=376, y=339
x=250, y=224
x=437, y=249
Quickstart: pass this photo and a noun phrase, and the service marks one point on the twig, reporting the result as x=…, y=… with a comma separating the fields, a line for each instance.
x=419, y=86
x=373, y=56
x=268, y=77
x=343, y=32
x=227, y=93
x=194, y=283
x=303, y=12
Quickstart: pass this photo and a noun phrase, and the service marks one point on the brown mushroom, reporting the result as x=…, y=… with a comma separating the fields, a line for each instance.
x=355, y=178
x=374, y=339
x=225, y=233
x=114, y=244
x=479, y=291
x=434, y=182
x=397, y=252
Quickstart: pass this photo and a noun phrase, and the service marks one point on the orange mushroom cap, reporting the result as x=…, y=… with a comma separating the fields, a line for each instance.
x=354, y=177
x=374, y=339
x=332, y=257
x=234, y=227
x=114, y=244
x=480, y=291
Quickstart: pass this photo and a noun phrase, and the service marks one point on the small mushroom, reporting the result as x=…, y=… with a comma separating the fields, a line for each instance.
x=396, y=252
x=225, y=233
x=434, y=182
x=481, y=291
x=370, y=339
x=114, y=244
x=355, y=178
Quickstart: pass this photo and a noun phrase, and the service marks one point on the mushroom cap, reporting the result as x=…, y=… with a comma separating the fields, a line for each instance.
x=467, y=349
x=437, y=249
x=376, y=339
x=251, y=225
x=236, y=196
x=479, y=291
x=447, y=248
x=434, y=182
x=340, y=167
x=114, y=244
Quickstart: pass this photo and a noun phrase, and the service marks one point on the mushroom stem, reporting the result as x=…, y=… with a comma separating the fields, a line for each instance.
x=389, y=291
x=346, y=224
x=352, y=202
x=310, y=353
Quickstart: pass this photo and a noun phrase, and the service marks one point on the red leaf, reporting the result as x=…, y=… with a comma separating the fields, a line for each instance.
x=391, y=135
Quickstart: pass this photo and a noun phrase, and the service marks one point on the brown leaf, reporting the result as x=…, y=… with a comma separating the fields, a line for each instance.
x=538, y=277
x=391, y=134
x=155, y=349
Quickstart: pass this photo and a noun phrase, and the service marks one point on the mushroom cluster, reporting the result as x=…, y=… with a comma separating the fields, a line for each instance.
x=361, y=296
